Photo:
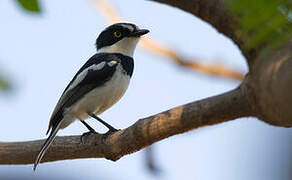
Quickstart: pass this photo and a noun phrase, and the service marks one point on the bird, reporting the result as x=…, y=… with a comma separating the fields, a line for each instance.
x=99, y=83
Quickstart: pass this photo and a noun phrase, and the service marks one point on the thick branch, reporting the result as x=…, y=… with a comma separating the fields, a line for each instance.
x=271, y=83
x=144, y=132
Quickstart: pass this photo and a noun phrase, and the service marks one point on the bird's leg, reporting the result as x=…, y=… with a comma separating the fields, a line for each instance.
x=111, y=129
x=91, y=130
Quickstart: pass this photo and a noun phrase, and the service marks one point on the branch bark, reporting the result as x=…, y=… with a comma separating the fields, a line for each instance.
x=271, y=83
x=144, y=132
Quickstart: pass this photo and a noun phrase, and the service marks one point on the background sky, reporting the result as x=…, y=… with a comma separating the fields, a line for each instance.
x=41, y=53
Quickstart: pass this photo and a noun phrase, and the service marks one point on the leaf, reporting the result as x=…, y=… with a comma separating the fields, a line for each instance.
x=30, y=5
x=4, y=84
x=263, y=22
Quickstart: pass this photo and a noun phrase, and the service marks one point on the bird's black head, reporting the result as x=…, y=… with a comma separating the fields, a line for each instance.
x=111, y=37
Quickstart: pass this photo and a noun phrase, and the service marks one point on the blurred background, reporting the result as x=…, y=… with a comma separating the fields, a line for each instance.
x=42, y=47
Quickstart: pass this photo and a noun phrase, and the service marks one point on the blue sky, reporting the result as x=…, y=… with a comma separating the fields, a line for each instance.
x=42, y=53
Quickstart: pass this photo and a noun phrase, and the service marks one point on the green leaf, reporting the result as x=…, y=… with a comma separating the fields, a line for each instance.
x=263, y=22
x=30, y=5
x=4, y=84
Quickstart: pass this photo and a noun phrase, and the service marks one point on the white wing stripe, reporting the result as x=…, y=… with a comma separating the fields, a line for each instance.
x=83, y=74
x=96, y=66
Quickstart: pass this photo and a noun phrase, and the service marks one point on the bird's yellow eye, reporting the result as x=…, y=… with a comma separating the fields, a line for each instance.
x=117, y=34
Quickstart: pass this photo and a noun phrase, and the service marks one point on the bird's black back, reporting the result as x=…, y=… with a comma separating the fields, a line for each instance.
x=93, y=79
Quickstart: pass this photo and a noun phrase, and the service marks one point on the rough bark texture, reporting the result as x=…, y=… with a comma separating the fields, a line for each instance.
x=143, y=133
x=271, y=83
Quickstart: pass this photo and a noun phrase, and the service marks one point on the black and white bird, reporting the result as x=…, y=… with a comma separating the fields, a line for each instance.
x=100, y=82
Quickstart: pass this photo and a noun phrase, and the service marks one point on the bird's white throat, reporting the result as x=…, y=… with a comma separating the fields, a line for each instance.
x=126, y=46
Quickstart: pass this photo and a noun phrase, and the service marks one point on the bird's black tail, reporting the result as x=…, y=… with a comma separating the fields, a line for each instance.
x=46, y=145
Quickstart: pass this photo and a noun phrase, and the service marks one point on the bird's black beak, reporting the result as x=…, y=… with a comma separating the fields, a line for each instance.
x=139, y=32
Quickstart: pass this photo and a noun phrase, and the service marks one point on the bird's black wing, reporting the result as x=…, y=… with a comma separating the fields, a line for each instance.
x=95, y=72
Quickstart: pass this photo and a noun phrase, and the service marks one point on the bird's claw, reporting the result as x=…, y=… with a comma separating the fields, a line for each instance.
x=86, y=134
x=109, y=132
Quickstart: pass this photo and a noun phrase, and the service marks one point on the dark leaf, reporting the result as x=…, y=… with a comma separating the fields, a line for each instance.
x=4, y=84
x=30, y=5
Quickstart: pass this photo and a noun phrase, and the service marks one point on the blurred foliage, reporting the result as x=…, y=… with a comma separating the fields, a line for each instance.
x=263, y=22
x=30, y=5
x=4, y=84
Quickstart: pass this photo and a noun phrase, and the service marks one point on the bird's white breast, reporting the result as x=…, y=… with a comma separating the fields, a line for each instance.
x=101, y=98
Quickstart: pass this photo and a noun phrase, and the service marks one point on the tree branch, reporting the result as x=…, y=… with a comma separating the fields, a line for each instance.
x=144, y=132
x=271, y=83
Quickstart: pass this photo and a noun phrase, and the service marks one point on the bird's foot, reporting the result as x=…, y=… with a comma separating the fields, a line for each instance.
x=86, y=134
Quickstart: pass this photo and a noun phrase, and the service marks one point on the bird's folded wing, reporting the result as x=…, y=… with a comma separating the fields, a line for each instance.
x=95, y=72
